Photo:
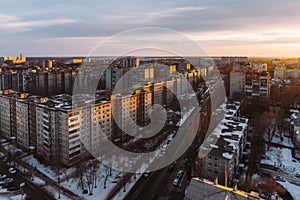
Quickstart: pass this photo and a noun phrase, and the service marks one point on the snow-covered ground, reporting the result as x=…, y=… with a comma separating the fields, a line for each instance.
x=282, y=140
x=13, y=197
x=48, y=171
x=11, y=148
x=294, y=190
x=100, y=193
x=50, y=189
x=282, y=158
x=73, y=184
x=36, y=180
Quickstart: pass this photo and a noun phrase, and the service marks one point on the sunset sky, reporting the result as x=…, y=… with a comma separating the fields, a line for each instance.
x=222, y=27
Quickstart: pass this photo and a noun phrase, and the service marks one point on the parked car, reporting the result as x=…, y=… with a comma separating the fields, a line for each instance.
x=2, y=155
x=12, y=170
x=280, y=178
x=180, y=173
x=8, y=180
x=3, y=177
x=176, y=182
x=298, y=175
x=146, y=174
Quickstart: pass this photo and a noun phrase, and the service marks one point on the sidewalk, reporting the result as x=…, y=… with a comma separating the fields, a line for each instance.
x=48, y=180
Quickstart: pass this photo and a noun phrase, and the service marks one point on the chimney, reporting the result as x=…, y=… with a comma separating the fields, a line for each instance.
x=9, y=91
x=23, y=95
x=43, y=100
x=216, y=181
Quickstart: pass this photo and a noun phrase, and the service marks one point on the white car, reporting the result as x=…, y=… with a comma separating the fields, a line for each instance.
x=146, y=174
x=176, y=182
x=2, y=155
x=12, y=170
x=3, y=176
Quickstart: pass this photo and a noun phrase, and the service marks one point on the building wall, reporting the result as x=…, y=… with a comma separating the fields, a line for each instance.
x=22, y=118
x=47, y=133
x=157, y=93
x=218, y=166
x=101, y=125
x=74, y=125
x=5, y=116
x=237, y=82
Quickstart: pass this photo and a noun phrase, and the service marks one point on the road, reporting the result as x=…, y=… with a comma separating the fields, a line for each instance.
x=159, y=184
x=288, y=177
x=34, y=191
x=31, y=191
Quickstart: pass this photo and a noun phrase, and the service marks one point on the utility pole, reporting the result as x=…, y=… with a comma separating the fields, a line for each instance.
x=226, y=175
x=58, y=178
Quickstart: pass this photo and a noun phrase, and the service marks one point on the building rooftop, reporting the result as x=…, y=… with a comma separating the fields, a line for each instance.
x=202, y=189
x=225, y=137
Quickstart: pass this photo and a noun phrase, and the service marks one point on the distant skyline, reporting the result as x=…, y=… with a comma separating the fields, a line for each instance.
x=266, y=28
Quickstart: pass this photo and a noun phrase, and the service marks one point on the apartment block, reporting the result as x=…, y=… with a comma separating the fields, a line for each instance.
x=5, y=109
x=223, y=157
x=124, y=113
x=74, y=126
x=46, y=83
x=157, y=93
x=12, y=80
x=257, y=84
x=47, y=133
x=237, y=82
x=284, y=72
x=13, y=59
x=101, y=125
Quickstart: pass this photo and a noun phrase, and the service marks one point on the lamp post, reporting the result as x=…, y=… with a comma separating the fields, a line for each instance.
x=124, y=189
x=58, y=179
x=13, y=139
x=94, y=171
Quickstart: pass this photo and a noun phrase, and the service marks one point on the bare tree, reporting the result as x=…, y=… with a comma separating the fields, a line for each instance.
x=87, y=175
x=270, y=187
x=80, y=169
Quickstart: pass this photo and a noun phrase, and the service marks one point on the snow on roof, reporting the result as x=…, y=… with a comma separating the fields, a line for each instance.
x=294, y=111
x=227, y=155
x=294, y=116
x=231, y=129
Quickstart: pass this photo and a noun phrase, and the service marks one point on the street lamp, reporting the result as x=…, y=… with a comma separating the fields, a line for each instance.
x=13, y=138
x=94, y=171
x=105, y=179
x=58, y=178
x=124, y=189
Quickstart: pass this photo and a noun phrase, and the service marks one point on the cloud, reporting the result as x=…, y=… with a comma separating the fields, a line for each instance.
x=217, y=24
x=7, y=18
x=171, y=12
x=15, y=24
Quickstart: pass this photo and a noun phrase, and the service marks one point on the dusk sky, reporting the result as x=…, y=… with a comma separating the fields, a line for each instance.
x=222, y=27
